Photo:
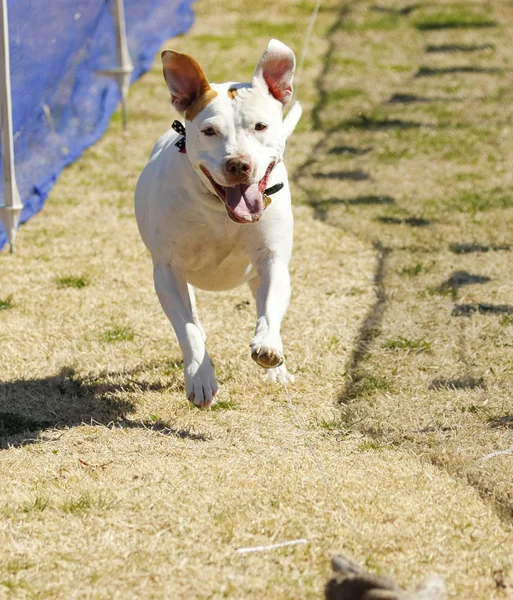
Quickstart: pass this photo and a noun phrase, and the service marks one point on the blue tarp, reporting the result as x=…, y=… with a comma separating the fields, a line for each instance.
x=61, y=103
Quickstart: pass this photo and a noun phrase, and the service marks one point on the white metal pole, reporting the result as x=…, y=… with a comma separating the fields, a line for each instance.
x=10, y=210
x=122, y=73
x=125, y=66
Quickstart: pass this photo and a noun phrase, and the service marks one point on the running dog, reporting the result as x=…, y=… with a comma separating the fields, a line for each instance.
x=213, y=205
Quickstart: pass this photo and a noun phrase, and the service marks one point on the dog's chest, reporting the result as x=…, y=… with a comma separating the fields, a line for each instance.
x=210, y=261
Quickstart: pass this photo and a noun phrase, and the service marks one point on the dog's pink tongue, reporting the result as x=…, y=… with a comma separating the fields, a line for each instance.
x=245, y=202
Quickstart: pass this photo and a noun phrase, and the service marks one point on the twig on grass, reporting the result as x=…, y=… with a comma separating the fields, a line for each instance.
x=498, y=453
x=271, y=546
x=102, y=466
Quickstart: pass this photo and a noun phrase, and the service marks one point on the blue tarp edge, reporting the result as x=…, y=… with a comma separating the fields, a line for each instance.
x=111, y=99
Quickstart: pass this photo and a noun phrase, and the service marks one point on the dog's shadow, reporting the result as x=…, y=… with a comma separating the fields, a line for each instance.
x=28, y=408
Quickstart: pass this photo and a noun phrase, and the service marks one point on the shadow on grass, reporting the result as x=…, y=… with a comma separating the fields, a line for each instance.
x=321, y=207
x=442, y=24
x=467, y=310
x=29, y=407
x=357, y=175
x=349, y=150
x=411, y=221
x=462, y=248
x=458, y=383
x=400, y=12
x=358, y=381
x=465, y=69
x=505, y=421
x=365, y=123
x=414, y=99
x=453, y=48
x=358, y=201
x=362, y=201
x=460, y=278
x=322, y=89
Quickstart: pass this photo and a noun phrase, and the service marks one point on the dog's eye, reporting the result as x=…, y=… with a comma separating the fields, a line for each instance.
x=260, y=127
x=209, y=131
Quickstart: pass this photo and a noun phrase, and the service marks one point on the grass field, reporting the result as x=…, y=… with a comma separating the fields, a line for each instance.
x=400, y=334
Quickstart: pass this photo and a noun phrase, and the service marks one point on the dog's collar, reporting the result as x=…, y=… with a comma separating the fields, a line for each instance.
x=273, y=189
x=180, y=144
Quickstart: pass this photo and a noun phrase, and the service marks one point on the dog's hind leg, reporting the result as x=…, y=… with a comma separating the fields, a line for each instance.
x=173, y=293
x=279, y=374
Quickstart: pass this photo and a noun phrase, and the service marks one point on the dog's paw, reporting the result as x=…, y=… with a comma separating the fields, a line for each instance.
x=278, y=374
x=200, y=383
x=266, y=357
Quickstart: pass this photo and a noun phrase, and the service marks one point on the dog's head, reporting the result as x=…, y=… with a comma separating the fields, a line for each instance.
x=235, y=135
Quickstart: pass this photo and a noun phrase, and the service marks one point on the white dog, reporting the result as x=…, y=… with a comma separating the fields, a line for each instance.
x=202, y=209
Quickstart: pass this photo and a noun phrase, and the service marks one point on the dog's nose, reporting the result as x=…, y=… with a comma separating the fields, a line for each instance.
x=238, y=167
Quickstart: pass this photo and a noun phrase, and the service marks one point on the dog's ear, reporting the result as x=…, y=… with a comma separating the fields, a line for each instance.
x=185, y=79
x=276, y=70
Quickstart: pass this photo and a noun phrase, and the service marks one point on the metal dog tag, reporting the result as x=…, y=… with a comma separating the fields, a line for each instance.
x=272, y=190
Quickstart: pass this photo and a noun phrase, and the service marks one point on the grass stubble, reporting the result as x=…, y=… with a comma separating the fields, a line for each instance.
x=113, y=486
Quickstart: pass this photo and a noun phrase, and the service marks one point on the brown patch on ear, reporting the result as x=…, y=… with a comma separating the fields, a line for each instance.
x=194, y=110
x=185, y=79
x=232, y=92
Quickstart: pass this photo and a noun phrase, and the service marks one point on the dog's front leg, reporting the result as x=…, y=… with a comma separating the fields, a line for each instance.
x=172, y=291
x=272, y=293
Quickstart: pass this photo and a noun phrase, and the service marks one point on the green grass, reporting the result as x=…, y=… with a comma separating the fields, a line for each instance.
x=439, y=143
x=15, y=585
x=412, y=271
x=366, y=384
x=396, y=68
x=348, y=62
x=118, y=333
x=220, y=405
x=453, y=20
x=269, y=29
x=308, y=6
x=18, y=564
x=477, y=201
x=372, y=22
x=379, y=120
x=172, y=367
x=220, y=42
x=81, y=504
x=344, y=94
x=402, y=343
x=37, y=505
x=72, y=281
x=444, y=291
x=454, y=16
x=341, y=424
x=371, y=445
x=334, y=424
x=86, y=502
x=6, y=303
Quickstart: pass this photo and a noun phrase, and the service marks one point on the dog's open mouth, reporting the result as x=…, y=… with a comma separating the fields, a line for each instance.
x=244, y=202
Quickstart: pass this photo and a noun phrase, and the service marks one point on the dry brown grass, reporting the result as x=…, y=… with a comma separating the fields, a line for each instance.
x=115, y=487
